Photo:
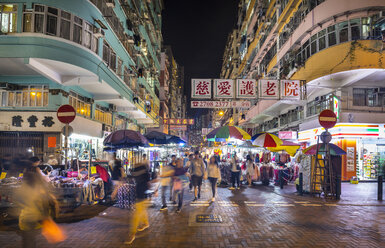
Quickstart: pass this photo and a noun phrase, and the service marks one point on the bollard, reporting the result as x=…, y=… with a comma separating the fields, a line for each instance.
x=379, y=191
x=300, y=186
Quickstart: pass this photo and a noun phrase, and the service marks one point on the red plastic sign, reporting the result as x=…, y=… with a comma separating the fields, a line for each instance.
x=327, y=118
x=66, y=114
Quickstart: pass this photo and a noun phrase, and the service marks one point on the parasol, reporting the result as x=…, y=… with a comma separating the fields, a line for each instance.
x=125, y=139
x=226, y=132
x=288, y=146
x=266, y=140
x=334, y=149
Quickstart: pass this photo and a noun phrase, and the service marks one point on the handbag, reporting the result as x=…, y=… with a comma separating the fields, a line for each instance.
x=52, y=232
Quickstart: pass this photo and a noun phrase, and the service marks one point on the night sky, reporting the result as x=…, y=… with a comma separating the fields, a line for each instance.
x=197, y=31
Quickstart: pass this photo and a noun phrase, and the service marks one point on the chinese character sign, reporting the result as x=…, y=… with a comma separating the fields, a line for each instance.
x=268, y=88
x=246, y=88
x=201, y=88
x=290, y=89
x=223, y=88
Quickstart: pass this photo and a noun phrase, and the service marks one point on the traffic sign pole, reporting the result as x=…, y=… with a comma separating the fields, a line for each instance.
x=66, y=114
x=66, y=147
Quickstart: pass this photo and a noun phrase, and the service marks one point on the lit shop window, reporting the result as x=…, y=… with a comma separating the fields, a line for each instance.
x=120, y=123
x=102, y=115
x=81, y=104
x=31, y=96
x=8, y=17
x=56, y=22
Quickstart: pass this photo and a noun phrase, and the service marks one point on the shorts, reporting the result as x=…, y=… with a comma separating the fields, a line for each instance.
x=196, y=180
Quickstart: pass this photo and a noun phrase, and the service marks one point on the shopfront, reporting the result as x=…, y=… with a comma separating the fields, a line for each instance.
x=364, y=144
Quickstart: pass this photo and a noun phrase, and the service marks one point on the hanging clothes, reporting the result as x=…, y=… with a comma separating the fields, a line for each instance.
x=266, y=157
x=257, y=158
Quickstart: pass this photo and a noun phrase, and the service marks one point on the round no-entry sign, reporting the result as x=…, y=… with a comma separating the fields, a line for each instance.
x=327, y=118
x=66, y=114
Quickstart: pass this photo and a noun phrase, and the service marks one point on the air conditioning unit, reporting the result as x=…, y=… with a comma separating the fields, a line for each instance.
x=110, y=3
x=98, y=32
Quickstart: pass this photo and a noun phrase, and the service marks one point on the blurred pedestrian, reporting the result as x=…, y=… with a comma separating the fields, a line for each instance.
x=196, y=170
x=37, y=205
x=165, y=181
x=235, y=172
x=173, y=165
x=146, y=162
x=214, y=175
x=140, y=218
x=117, y=177
x=188, y=165
x=250, y=169
x=180, y=177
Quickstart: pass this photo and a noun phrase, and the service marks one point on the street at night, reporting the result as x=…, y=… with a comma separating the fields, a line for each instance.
x=192, y=123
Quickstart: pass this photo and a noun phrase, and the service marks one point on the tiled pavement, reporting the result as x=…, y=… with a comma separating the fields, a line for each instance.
x=252, y=217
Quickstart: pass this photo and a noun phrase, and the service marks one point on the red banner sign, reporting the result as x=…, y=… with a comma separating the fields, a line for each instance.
x=179, y=121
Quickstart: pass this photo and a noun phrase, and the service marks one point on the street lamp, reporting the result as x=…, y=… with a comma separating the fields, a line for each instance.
x=221, y=113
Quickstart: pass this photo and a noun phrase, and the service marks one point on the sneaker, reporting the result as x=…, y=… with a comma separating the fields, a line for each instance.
x=195, y=199
x=131, y=239
x=164, y=207
x=213, y=199
x=231, y=188
x=178, y=210
x=143, y=228
x=199, y=196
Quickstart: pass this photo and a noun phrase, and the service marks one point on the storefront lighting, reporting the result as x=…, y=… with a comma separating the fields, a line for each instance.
x=82, y=110
x=221, y=113
x=33, y=93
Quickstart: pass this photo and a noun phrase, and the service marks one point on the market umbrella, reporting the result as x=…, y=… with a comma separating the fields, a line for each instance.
x=176, y=140
x=125, y=139
x=158, y=138
x=247, y=144
x=288, y=146
x=334, y=149
x=226, y=132
x=266, y=140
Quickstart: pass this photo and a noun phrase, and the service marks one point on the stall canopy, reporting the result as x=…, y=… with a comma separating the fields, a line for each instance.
x=266, y=140
x=334, y=149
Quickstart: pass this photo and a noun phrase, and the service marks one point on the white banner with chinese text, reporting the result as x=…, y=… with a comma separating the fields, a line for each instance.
x=223, y=88
x=268, y=89
x=290, y=89
x=220, y=104
x=201, y=88
x=246, y=88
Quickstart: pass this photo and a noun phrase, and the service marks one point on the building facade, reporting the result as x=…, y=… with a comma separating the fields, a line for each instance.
x=100, y=56
x=336, y=48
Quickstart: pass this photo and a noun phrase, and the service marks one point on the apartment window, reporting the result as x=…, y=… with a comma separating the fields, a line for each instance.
x=313, y=44
x=343, y=31
x=77, y=30
x=81, y=104
x=39, y=18
x=322, y=40
x=8, y=18
x=102, y=115
x=365, y=97
x=332, y=37
x=88, y=35
x=366, y=27
x=51, y=25
x=27, y=22
x=119, y=68
x=31, y=96
x=65, y=25
x=355, y=29
x=109, y=56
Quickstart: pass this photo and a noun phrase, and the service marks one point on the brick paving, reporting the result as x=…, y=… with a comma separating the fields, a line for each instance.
x=252, y=217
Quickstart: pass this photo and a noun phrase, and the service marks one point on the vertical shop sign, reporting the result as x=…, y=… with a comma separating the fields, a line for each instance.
x=349, y=159
x=336, y=106
x=246, y=88
x=223, y=88
x=268, y=89
x=290, y=89
x=201, y=88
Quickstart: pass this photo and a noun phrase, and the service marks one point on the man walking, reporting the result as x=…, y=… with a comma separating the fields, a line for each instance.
x=197, y=169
